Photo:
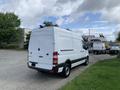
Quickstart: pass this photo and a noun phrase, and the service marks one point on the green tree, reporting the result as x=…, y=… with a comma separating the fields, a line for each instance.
x=9, y=21
x=101, y=35
x=8, y=36
x=9, y=24
x=48, y=23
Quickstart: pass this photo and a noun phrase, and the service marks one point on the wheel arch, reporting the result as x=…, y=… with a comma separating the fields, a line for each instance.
x=68, y=61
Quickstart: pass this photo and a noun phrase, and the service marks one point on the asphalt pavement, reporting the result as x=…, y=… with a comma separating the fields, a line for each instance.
x=15, y=75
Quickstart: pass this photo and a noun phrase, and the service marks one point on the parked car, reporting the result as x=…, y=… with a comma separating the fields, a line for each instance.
x=56, y=50
x=114, y=49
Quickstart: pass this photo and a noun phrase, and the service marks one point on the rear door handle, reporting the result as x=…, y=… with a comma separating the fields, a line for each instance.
x=40, y=56
x=38, y=49
x=47, y=54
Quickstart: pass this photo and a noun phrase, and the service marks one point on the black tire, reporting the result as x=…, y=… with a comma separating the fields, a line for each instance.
x=86, y=62
x=66, y=70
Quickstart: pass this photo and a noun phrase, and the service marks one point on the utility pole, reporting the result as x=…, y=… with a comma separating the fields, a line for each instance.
x=89, y=32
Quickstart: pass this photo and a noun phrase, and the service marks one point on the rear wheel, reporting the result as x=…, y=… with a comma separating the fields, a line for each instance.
x=66, y=70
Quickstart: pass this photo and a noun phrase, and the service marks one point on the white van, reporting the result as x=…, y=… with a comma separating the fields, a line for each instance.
x=53, y=49
x=99, y=47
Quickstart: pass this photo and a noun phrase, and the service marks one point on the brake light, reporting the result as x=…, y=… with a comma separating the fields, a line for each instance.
x=55, y=58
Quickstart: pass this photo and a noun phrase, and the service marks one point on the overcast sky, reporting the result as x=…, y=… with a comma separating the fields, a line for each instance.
x=100, y=16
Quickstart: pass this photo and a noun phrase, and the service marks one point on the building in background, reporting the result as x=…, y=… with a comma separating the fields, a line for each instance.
x=27, y=31
x=22, y=37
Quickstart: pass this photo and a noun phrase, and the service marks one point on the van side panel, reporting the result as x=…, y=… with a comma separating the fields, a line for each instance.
x=63, y=44
x=68, y=45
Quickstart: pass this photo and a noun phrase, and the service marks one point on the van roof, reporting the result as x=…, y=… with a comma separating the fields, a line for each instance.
x=58, y=28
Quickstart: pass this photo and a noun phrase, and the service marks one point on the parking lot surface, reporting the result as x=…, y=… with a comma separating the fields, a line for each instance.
x=15, y=75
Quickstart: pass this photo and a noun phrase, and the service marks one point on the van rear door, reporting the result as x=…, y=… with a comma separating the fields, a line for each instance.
x=42, y=47
x=45, y=51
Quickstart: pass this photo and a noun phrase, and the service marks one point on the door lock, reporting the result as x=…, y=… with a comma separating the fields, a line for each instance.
x=38, y=49
x=47, y=54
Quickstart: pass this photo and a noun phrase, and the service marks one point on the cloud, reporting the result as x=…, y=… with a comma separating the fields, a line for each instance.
x=112, y=14
x=109, y=9
x=32, y=12
x=91, y=5
x=60, y=21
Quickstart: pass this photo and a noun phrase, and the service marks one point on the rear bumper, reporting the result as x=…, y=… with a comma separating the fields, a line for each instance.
x=54, y=69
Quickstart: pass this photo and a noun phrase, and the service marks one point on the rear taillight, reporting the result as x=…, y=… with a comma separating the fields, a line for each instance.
x=55, y=58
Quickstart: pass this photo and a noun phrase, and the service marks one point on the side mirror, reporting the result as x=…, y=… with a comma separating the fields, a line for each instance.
x=85, y=47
